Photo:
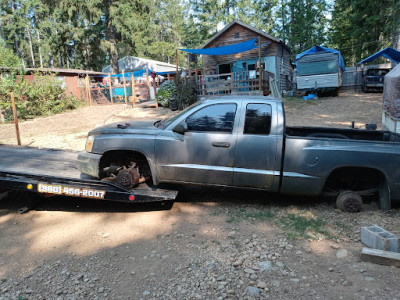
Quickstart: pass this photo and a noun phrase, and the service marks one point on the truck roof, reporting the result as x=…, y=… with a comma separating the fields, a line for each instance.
x=239, y=98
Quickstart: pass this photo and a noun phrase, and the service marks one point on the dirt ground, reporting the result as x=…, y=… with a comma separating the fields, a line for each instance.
x=212, y=243
x=69, y=130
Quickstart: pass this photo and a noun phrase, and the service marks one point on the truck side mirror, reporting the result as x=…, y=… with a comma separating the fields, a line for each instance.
x=180, y=128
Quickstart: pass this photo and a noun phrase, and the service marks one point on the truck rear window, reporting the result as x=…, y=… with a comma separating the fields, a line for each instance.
x=258, y=119
x=377, y=72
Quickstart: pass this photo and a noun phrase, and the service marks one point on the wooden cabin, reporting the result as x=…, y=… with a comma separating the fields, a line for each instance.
x=275, y=57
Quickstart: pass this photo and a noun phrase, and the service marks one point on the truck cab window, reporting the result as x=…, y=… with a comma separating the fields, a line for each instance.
x=258, y=119
x=215, y=118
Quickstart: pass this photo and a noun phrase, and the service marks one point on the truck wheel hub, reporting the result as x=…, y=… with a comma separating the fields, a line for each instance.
x=127, y=178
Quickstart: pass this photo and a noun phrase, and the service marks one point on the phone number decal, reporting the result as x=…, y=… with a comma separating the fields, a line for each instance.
x=70, y=191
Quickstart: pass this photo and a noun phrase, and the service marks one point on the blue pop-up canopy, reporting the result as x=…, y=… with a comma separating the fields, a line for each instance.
x=316, y=49
x=388, y=52
x=226, y=50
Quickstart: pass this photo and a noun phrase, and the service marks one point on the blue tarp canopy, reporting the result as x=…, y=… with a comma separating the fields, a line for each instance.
x=316, y=49
x=388, y=52
x=226, y=50
x=137, y=73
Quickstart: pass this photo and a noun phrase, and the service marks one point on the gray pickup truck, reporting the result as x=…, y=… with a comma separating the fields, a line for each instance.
x=243, y=142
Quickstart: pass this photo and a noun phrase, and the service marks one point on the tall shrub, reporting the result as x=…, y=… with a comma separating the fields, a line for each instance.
x=42, y=97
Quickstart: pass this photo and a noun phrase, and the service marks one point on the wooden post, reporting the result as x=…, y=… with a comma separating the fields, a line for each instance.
x=155, y=91
x=77, y=87
x=133, y=89
x=158, y=81
x=259, y=65
x=15, y=118
x=89, y=89
x=148, y=81
x=111, y=96
x=123, y=78
x=176, y=61
x=232, y=85
x=168, y=77
x=188, y=61
x=196, y=73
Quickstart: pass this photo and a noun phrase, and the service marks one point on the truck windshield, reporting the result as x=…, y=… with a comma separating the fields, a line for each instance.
x=165, y=123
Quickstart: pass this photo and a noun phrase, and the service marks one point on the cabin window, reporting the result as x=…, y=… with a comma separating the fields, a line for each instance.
x=224, y=68
x=237, y=35
x=253, y=73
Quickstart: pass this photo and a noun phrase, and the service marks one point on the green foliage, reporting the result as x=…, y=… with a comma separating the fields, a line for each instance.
x=298, y=225
x=43, y=96
x=90, y=34
x=186, y=90
x=360, y=28
x=7, y=57
x=303, y=23
x=166, y=91
x=260, y=214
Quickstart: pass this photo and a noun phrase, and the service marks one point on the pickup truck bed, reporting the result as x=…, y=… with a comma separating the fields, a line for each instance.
x=24, y=169
x=339, y=133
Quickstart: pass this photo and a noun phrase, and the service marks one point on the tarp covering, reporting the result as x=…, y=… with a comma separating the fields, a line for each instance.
x=391, y=92
x=226, y=50
x=316, y=49
x=137, y=74
x=388, y=52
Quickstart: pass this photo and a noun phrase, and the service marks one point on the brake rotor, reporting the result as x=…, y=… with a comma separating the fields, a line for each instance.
x=349, y=201
x=128, y=178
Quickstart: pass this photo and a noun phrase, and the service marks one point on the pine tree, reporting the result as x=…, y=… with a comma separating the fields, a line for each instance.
x=363, y=27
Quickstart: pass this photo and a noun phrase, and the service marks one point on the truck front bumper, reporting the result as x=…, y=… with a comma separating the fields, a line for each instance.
x=88, y=163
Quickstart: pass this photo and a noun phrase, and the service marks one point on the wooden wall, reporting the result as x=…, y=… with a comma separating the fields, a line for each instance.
x=228, y=38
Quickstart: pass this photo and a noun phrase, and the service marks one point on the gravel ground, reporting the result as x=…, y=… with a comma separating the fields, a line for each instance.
x=212, y=243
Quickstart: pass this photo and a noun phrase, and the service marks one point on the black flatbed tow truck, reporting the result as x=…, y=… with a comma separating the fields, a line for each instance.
x=53, y=172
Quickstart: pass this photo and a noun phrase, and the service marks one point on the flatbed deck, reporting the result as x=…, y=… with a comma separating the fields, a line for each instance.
x=53, y=171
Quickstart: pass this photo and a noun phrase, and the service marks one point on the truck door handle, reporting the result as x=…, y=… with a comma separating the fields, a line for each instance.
x=221, y=144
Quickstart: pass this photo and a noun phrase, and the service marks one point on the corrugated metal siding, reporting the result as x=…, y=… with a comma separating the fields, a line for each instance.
x=352, y=77
x=318, y=57
x=318, y=81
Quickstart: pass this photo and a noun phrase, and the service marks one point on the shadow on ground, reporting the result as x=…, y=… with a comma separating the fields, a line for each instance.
x=187, y=194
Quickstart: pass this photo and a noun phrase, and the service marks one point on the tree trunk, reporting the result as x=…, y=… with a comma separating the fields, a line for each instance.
x=51, y=58
x=1, y=31
x=113, y=52
x=40, y=50
x=60, y=60
x=28, y=33
x=16, y=42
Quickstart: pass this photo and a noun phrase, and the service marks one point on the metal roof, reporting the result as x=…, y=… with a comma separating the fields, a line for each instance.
x=55, y=70
x=262, y=33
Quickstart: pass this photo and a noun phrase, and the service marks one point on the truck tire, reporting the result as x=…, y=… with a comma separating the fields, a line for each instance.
x=349, y=201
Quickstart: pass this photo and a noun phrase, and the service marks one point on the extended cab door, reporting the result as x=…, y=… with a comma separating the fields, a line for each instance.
x=205, y=152
x=257, y=148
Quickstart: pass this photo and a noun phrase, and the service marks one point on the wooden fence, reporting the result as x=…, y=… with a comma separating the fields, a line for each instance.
x=114, y=91
x=245, y=82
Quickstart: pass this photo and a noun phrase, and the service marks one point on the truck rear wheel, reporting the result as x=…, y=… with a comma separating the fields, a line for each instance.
x=349, y=201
